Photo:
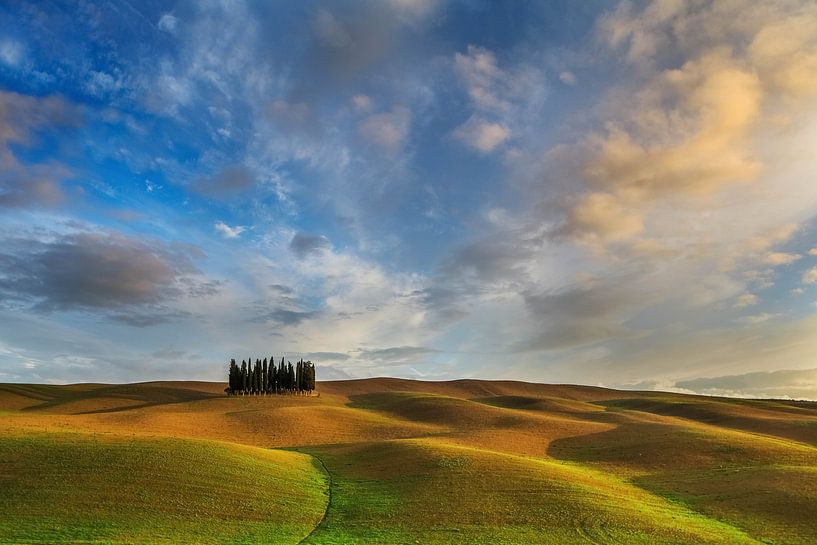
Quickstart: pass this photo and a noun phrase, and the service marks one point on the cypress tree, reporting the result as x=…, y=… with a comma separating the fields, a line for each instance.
x=264, y=376
x=249, y=376
x=256, y=384
x=233, y=377
x=282, y=379
x=271, y=376
x=310, y=376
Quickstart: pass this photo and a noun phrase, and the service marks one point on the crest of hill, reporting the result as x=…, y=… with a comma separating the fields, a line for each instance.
x=94, y=396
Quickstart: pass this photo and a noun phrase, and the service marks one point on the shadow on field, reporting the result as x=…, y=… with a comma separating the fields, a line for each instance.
x=123, y=397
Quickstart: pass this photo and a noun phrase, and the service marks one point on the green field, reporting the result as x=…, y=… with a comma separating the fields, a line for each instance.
x=71, y=487
x=402, y=462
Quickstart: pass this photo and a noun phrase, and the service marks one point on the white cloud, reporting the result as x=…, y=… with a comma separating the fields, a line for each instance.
x=362, y=103
x=415, y=10
x=810, y=276
x=482, y=76
x=228, y=231
x=11, y=52
x=482, y=135
x=387, y=130
x=101, y=83
x=746, y=300
x=757, y=318
x=330, y=30
x=168, y=23
x=568, y=78
x=812, y=251
x=599, y=217
x=781, y=258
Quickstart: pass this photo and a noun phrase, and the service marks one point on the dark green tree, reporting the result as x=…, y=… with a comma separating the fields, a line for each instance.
x=256, y=377
x=271, y=376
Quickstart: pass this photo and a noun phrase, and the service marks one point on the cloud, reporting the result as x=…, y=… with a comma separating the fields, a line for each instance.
x=227, y=231
x=326, y=372
x=781, y=258
x=601, y=217
x=387, y=130
x=22, y=119
x=493, y=259
x=93, y=271
x=578, y=316
x=362, y=103
x=568, y=78
x=689, y=132
x=343, y=45
x=397, y=355
x=32, y=185
x=812, y=251
x=281, y=289
x=330, y=31
x=303, y=245
x=150, y=317
x=798, y=384
x=746, y=300
x=785, y=51
x=483, y=78
x=763, y=242
x=11, y=52
x=758, y=318
x=326, y=356
x=482, y=135
x=167, y=22
x=286, y=317
x=415, y=10
x=233, y=179
x=809, y=276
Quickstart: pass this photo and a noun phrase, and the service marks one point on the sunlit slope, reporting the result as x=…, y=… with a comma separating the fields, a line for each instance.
x=764, y=484
x=193, y=410
x=790, y=420
x=482, y=424
x=426, y=491
x=77, y=488
x=481, y=461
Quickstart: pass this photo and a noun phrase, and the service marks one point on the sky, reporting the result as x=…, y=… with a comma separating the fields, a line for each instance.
x=618, y=194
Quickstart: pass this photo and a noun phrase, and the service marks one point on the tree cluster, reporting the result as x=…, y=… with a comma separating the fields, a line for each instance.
x=267, y=378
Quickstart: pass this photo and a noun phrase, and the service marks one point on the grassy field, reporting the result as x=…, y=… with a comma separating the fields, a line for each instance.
x=80, y=488
x=392, y=461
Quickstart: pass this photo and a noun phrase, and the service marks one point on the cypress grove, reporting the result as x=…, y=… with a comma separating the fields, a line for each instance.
x=262, y=378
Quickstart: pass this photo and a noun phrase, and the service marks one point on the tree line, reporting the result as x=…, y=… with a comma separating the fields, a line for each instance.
x=267, y=378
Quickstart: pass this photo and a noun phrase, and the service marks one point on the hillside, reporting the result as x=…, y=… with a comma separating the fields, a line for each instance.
x=463, y=461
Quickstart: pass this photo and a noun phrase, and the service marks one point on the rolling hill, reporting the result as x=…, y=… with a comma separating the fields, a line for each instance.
x=399, y=461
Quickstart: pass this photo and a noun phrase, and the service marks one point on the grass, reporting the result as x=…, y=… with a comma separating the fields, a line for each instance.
x=74, y=488
x=475, y=462
x=426, y=491
x=773, y=502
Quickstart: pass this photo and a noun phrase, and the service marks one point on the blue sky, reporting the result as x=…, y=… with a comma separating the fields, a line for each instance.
x=591, y=192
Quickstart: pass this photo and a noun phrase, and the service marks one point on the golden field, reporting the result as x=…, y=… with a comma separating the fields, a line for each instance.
x=399, y=461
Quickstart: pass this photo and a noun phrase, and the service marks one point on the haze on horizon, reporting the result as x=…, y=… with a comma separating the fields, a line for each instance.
x=588, y=192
